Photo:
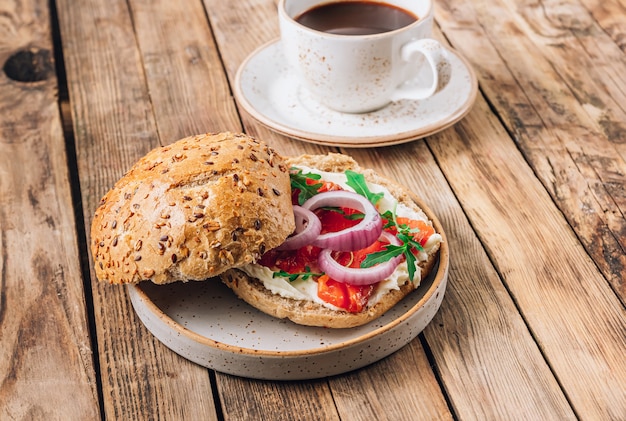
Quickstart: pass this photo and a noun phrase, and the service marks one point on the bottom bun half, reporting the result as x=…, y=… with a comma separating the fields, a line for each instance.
x=309, y=313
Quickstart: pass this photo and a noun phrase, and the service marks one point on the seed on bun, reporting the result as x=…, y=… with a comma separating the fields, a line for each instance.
x=192, y=210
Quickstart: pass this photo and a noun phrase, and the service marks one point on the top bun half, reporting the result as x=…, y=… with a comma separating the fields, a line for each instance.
x=192, y=210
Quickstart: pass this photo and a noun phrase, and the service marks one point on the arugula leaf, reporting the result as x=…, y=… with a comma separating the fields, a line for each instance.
x=299, y=182
x=410, y=264
x=404, y=234
x=295, y=276
x=390, y=218
x=358, y=183
x=391, y=250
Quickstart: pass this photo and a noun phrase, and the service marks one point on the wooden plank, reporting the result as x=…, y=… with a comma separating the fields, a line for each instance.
x=399, y=387
x=558, y=82
x=590, y=65
x=184, y=72
x=45, y=349
x=575, y=317
x=245, y=398
x=252, y=24
x=114, y=125
x=258, y=399
x=610, y=17
x=579, y=164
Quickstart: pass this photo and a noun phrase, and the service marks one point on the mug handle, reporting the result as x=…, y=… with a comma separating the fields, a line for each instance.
x=436, y=59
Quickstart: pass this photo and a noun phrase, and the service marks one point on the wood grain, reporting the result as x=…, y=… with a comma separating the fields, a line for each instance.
x=45, y=349
x=258, y=399
x=557, y=80
x=549, y=275
x=114, y=126
x=399, y=387
x=252, y=24
x=610, y=17
x=184, y=72
x=532, y=325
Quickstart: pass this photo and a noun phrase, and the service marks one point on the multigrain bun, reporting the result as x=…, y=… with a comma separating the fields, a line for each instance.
x=191, y=210
x=310, y=313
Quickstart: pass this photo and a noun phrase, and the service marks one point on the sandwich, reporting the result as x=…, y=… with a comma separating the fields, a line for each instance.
x=370, y=247
x=315, y=239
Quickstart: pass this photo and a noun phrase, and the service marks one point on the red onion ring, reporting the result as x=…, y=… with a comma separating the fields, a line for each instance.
x=360, y=276
x=357, y=237
x=305, y=234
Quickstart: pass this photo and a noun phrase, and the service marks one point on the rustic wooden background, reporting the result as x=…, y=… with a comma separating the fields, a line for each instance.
x=529, y=186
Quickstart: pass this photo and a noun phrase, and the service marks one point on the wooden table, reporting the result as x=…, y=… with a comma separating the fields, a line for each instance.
x=530, y=187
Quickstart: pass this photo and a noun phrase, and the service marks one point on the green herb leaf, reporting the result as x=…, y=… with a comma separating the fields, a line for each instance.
x=407, y=238
x=410, y=263
x=295, y=276
x=299, y=182
x=391, y=250
x=358, y=183
x=390, y=218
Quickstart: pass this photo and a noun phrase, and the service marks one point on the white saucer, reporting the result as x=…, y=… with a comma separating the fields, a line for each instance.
x=271, y=94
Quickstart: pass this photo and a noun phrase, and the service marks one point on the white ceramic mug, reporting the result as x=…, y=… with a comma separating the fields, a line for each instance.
x=362, y=73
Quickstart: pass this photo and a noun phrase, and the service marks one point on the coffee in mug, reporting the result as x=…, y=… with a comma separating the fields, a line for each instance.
x=357, y=56
x=356, y=18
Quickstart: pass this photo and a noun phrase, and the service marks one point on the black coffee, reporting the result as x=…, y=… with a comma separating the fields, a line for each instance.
x=356, y=18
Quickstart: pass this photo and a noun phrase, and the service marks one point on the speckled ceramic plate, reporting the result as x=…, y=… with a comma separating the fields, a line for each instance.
x=271, y=94
x=206, y=323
